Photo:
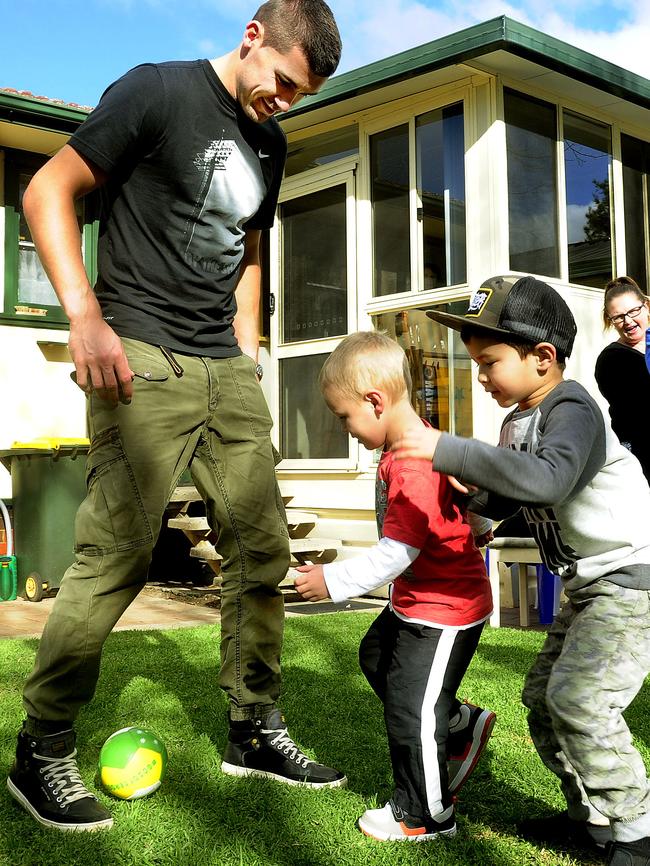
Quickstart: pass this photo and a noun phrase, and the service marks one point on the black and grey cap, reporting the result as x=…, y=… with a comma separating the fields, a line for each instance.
x=523, y=307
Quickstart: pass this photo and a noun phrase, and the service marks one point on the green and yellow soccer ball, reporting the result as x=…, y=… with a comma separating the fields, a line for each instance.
x=132, y=763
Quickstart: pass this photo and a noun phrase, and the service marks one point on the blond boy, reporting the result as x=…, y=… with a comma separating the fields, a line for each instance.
x=416, y=652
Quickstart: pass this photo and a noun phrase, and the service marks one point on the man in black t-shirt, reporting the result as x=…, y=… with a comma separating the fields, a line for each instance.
x=187, y=160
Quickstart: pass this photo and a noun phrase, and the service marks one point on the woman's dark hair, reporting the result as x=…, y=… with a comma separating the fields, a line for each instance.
x=310, y=25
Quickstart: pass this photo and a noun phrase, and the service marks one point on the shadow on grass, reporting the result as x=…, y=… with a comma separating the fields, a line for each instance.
x=167, y=680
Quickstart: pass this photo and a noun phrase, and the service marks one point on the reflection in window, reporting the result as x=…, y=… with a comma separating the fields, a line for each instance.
x=308, y=430
x=314, y=266
x=440, y=173
x=321, y=149
x=587, y=162
x=635, y=156
x=34, y=287
x=531, y=136
x=440, y=145
x=439, y=364
x=390, y=208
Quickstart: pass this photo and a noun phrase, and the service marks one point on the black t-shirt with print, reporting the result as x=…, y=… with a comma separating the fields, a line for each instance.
x=188, y=174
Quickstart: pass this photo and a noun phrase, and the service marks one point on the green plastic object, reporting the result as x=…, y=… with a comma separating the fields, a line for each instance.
x=8, y=578
x=48, y=485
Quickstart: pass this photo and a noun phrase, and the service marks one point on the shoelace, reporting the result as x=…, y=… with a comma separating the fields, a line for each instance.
x=284, y=743
x=62, y=775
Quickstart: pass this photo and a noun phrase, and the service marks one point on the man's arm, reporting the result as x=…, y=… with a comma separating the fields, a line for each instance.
x=48, y=204
x=247, y=294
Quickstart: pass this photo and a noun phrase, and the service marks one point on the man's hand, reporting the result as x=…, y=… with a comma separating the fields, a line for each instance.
x=311, y=583
x=419, y=442
x=100, y=362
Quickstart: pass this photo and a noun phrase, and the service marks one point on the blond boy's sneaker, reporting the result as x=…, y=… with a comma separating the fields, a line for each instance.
x=465, y=743
x=392, y=824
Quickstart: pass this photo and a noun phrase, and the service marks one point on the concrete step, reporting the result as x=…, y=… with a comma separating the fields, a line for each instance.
x=205, y=549
x=313, y=544
x=295, y=516
x=200, y=523
x=187, y=523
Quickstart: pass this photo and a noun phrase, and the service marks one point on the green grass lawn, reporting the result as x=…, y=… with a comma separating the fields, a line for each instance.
x=166, y=681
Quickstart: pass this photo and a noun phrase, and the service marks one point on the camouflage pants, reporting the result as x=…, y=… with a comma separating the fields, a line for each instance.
x=592, y=665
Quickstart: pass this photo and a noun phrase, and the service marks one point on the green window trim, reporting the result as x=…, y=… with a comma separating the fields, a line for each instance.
x=14, y=310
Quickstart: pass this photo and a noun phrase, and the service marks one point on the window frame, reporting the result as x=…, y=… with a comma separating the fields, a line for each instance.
x=337, y=173
x=417, y=295
x=15, y=163
x=617, y=191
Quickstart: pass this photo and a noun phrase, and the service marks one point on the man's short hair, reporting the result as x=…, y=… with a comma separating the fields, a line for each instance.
x=310, y=25
x=365, y=361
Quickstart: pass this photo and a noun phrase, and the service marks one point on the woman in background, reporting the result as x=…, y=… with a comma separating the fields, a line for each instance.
x=621, y=371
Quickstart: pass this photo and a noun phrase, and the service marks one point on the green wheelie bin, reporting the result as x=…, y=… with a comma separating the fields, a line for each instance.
x=48, y=481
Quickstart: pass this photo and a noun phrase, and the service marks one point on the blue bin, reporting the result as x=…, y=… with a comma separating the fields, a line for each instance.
x=549, y=587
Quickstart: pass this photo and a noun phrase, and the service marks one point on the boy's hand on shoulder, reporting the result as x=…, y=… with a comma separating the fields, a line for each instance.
x=419, y=442
x=467, y=489
x=311, y=583
x=485, y=538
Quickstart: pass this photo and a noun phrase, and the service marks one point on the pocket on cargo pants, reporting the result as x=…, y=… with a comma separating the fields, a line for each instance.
x=112, y=516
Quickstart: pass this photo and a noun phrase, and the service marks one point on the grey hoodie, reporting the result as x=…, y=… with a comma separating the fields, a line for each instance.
x=584, y=496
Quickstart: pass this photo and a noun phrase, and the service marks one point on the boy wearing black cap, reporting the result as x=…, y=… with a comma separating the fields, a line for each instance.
x=588, y=507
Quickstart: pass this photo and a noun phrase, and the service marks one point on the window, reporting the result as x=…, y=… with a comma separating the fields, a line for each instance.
x=587, y=166
x=440, y=143
x=434, y=216
x=308, y=153
x=440, y=367
x=390, y=210
x=29, y=296
x=315, y=297
x=635, y=156
x=535, y=200
x=308, y=430
x=531, y=136
x=315, y=249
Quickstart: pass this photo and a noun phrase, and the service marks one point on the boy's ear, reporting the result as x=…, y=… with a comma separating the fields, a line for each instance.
x=546, y=355
x=376, y=399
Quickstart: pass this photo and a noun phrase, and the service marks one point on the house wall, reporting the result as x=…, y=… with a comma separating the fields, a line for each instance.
x=37, y=395
x=42, y=401
x=38, y=398
x=337, y=494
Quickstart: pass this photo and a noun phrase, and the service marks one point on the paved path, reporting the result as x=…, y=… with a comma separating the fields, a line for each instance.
x=26, y=618
x=22, y=618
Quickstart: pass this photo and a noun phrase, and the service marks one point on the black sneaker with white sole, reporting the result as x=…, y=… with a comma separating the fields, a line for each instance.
x=45, y=781
x=263, y=747
x=465, y=743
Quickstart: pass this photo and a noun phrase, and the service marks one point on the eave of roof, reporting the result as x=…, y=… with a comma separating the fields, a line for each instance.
x=38, y=111
x=501, y=33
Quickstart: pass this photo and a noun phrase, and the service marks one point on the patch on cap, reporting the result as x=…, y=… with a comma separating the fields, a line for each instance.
x=478, y=301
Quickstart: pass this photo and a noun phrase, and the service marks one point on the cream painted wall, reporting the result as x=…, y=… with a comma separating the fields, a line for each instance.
x=37, y=395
